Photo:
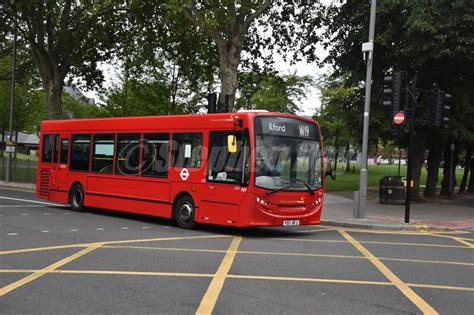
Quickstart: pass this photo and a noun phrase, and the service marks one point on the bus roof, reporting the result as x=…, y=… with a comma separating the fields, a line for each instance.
x=170, y=122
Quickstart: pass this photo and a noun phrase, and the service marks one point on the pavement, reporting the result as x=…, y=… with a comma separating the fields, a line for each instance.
x=438, y=214
x=56, y=261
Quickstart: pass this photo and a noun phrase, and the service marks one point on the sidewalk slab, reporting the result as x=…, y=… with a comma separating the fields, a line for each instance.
x=438, y=214
x=15, y=185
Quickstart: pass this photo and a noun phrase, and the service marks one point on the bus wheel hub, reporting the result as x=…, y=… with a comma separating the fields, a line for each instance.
x=185, y=212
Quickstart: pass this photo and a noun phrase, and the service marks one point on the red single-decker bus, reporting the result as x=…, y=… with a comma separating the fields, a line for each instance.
x=238, y=169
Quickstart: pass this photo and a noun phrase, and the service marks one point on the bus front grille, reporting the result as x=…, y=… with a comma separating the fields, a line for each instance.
x=44, y=182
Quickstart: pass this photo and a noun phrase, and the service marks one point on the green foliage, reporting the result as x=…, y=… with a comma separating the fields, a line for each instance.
x=433, y=39
x=75, y=109
x=340, y=113
x=275, y=93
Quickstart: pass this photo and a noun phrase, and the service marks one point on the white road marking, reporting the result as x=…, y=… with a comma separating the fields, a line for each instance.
x=100, y=229
x=12, y=234
x=125, y=228
x=32, y=201
x=45, y=231
x=46, y=213
x=67, y=212
x=19, y=206
x=145, y=227
x=25, y=214
x=73, y=230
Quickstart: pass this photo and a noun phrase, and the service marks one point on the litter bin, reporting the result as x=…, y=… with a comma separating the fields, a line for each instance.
x=391, y=190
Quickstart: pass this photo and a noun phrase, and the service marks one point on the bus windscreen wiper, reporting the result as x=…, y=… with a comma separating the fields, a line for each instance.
x=306, y=185
x=278, y=189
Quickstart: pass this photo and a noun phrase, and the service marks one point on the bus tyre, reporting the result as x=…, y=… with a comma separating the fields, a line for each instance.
x=76, y=198
x=184, y=212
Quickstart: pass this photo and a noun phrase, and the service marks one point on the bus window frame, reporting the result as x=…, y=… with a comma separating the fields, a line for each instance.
x=245, y=136
x=172, y=149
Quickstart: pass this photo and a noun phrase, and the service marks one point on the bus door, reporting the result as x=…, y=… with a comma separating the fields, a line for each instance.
x=49, y=164
x=62, y=169
x=227, y=177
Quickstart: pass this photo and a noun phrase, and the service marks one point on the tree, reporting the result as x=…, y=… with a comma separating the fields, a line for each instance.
x=430, y=39
x=273, y=92
x=226, y=24
x=65, y=38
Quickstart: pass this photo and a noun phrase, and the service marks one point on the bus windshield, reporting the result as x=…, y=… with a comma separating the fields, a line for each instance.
x=288, y=154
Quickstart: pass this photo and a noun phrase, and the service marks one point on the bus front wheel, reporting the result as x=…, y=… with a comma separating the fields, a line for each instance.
x=76, y=198
x=184, y=211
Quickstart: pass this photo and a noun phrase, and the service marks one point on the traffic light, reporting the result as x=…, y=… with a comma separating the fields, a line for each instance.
x=211, y=103
x=393, y=91
x=440, y=107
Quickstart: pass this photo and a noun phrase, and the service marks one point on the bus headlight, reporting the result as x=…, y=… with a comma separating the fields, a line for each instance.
x=262, y=202
x=317, y=202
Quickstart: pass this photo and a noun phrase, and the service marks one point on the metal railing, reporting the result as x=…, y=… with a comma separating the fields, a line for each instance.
x=23, y=168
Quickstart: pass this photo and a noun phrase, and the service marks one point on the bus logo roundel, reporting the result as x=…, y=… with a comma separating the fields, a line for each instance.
x=184, y=174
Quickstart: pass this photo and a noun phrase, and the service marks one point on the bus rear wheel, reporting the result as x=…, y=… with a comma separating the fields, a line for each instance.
x=184, y=212
x=76, y=198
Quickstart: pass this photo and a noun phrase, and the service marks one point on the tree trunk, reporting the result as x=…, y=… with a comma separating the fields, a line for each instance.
x=449, y=169
x=229, y=63
x=434, y=160
x=467, y=162
x=470, y=187
x=54, y=93
x=348, y=158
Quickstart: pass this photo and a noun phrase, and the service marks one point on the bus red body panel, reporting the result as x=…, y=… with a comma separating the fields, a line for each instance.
x=143, y=164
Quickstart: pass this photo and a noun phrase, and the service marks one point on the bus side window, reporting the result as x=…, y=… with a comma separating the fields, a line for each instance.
x=64, y=151
x=155, y=154
x=187, y=149
x=127, y=155
x=47, y=153
x=56, y=149
x=103, y=153
x=80, y=150
x=225, y=166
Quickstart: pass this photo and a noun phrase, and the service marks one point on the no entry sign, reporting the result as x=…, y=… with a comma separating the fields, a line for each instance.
x=399, y=118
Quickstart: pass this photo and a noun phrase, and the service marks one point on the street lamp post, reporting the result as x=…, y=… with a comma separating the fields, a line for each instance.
x=367, y=49
x=12, y=101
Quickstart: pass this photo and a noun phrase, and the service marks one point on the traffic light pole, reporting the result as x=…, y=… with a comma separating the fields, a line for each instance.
x=411, y=90
x=362, y=200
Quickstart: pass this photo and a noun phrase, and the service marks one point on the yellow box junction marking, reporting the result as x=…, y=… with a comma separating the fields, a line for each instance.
x=42, y=272
x=231, y=276
x=210, y=298
x=403, y=287
x=37, y=249
x=457, y=239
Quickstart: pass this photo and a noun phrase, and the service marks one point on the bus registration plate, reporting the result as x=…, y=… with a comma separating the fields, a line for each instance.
x=291, y=222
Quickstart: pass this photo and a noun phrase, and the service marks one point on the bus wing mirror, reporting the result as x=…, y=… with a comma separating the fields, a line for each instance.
x=231, y=143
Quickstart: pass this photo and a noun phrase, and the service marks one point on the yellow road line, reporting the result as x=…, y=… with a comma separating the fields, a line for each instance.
x=176, y=249
x=444, y=287
x=298, y=279
x=428, y=261
x=210, y=298
x=302, y=240
x=248, y=277
x=457, y=239
x=42, y=272
x=419, y=233
x=291, y=254
x=367, y=242
x=27, y=250
x=316, y=230
x=403, y=287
